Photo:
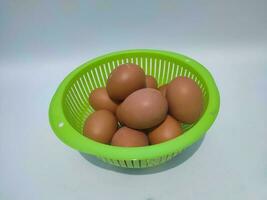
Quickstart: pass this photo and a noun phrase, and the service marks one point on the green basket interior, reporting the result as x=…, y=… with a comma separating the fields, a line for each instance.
x=79, y=84
x=76, y=104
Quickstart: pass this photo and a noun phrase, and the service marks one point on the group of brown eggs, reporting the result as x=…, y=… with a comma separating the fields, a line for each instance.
x=132, y=111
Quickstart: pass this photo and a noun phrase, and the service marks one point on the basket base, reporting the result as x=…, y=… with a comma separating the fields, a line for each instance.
x=159, y=164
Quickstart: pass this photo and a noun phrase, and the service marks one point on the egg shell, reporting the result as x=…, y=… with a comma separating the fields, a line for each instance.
x=99, y=99
x=185, y=100
x=100, y=126
x=124, y=80
x=144, y=108
x=170, y=128
x=163, y=89
x=151, y=82
x=127, y=137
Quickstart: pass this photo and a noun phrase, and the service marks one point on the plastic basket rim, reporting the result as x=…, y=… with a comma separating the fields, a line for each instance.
x=67, y=134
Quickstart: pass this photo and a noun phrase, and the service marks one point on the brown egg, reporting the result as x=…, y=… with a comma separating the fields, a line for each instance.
x=100, y=126
x=124, y=80
x=185, y=100
x=99, y=100
x=127, y=137
x=151, y=82
x=143, y=109
x=170, y=128
x=163, y=89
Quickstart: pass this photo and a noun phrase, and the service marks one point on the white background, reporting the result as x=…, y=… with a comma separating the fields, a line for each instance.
x=42, y=41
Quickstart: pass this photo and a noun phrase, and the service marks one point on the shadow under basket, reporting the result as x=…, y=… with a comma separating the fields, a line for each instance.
x=69, y=107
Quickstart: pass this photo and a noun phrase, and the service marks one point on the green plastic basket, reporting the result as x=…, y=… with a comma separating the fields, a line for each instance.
x=69, y=106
